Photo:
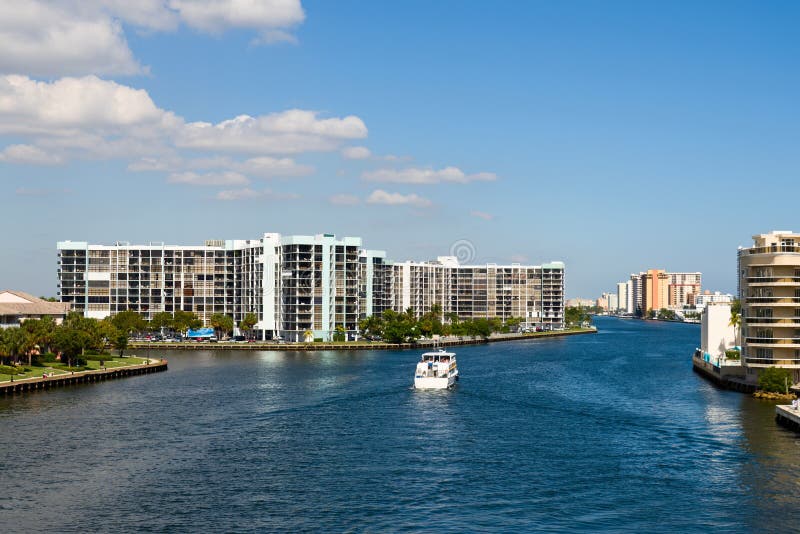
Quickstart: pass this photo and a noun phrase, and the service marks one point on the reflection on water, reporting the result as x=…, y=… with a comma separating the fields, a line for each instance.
x=604, y=432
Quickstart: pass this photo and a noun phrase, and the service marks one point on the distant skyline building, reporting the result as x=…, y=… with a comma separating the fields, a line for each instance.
x=636, y=293
x=296, y=284
x=622, y=297
x=581, y=303
x=707, y=297
x=683, y=289
x=655, y=290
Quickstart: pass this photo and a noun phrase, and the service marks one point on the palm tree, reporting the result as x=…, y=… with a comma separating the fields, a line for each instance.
x=736, y=319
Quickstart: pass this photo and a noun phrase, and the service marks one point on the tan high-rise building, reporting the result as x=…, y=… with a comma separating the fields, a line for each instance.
x=683, y=289
x=769, y=290
x=655, y=290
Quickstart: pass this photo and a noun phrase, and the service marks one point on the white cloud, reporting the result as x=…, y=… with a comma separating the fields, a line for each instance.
x=91, y=118
x=287, y=132
x=62, y=38
x=519, y=258
x=28, y=154
x=356, y=152
x=30, y=106
x=269, y=37
x=379, y=196
x=218, y=15
x=344, y=200
x=482, y=215
x=211, y=178
x=74, y=37
x=262, y=166
x=426, y=176
x=250, y=194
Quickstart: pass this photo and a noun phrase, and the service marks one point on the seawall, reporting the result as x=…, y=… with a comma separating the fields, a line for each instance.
x=722, y=377
x=270, y=346
x=81, y=377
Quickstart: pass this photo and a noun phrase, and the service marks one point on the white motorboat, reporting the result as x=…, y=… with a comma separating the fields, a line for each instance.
x=436, y=370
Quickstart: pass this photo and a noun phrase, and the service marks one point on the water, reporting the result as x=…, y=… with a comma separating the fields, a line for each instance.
x=610, y=431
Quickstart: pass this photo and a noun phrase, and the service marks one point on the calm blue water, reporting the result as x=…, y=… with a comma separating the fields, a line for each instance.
x=610, y=431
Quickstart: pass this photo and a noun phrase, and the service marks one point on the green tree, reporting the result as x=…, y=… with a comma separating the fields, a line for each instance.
x=371, y=327
x=71, y=342
x=75, y=321
x=162, y=320
x=14, y=343
x=512, y=323
x=431, y=322
x=120, y=342
x=129, y=322
x=41, y=332
x=576, y=316
x=666, y=315
x=247, y=323
x=775, y=380
x=184, y=320
x=339, y=334
x=399, y=327
x=221, y=323
x=736, y=318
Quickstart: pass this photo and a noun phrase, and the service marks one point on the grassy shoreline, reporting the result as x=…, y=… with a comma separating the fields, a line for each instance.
x=57, y=369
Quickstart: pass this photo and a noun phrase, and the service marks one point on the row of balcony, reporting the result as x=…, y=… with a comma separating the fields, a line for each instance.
x=771, y=280
x=772, y=300
x=772, y=249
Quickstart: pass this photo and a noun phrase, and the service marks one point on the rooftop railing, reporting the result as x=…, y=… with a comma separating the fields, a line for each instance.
x=772, y=249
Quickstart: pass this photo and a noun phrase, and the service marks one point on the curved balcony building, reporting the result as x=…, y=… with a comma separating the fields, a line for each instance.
x=769, y=290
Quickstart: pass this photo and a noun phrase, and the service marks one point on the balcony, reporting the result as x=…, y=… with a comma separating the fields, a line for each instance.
x=774, y=281
x=771, y=362
x=772, y=249
x=776, y=322
x=773, y=301
x=787, y=342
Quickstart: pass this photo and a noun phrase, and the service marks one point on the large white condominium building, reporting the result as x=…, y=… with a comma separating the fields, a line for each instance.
x=769, y=291
x=297, y=284
x=534, y=294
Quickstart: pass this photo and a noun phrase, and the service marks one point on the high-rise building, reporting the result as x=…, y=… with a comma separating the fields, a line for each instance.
x=299, y=284
x=622, y=297
x=534, y=294
x=636, y=294
x=769, y=291
x=683, y=289
x=655, y=290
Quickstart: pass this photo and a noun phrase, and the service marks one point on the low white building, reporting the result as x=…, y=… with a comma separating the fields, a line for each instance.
x=716, y=333
x=702, y=300
x=16, y=307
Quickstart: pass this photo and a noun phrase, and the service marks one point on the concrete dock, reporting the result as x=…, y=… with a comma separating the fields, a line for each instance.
x=730, y=376
x=788, y=417
x=34, y=384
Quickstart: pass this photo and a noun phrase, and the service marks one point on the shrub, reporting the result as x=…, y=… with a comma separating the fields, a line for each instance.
x=774, y=379
x=317, y=340
x=48, y=357
x=732, y=354
x=10, y=370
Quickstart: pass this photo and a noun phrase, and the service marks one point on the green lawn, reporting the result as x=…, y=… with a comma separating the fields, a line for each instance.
x=36, y=372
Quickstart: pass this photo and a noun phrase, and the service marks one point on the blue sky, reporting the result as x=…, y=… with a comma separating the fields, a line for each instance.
x=613, y=136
